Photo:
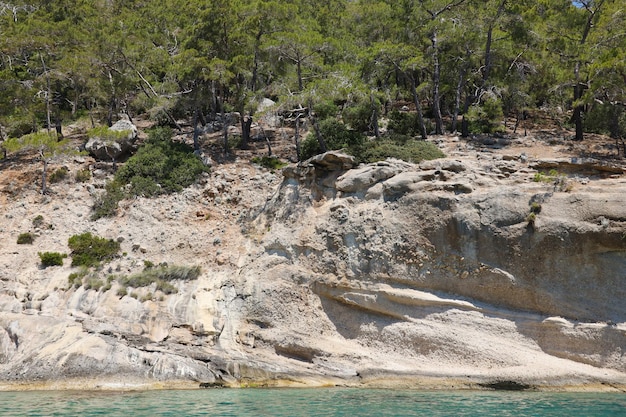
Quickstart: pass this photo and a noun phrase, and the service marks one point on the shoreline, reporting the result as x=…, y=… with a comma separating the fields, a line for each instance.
x=386, y=383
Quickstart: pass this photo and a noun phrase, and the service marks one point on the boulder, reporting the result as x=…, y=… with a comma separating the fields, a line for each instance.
x=361, y=179
x=112, y=147
x=333, y=161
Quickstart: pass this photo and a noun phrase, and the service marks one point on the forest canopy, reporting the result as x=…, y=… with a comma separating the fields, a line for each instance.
x=459, y=64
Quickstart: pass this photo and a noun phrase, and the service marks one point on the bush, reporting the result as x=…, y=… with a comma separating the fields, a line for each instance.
x=398, y=146
x=412, y=151
x=75, y=279
x=324, y=110
x=88, y=250
x=309, y=147
x=25, y=239
x=161, y=277
x=94, y=283
x=269, y=162
x=83, y=175
x=106, y=134
x=106, y=204
x=486, y=117
x=359, y=117
x=606, y=119
x=38, y=221
x=18, y=127
x=336, y=136
x=59, y=175
x=51, y=258
x=160, y=167
x=403, y=123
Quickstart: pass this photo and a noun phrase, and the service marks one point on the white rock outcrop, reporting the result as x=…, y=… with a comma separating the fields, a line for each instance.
x=388, y=274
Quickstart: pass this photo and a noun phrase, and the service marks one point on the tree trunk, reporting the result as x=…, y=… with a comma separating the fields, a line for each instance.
x=58, y=128
x=464, y=123
x=246, y=124
x=196, y=145
x=436, y=82
x=299, y=70
x=45, y=71
x=457, y=97
x=226, y=121
x=296, y=137
x=375, y=116
x=44, y=175
x=577, y=116
x=418, y=106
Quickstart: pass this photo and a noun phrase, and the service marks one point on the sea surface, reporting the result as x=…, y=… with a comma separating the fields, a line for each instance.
x=310, y=402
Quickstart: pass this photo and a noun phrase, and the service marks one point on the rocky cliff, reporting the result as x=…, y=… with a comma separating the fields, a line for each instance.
x=483, y=269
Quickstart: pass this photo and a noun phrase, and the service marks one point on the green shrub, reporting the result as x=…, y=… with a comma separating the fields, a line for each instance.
x=325, y=109
x=309, y=147
x=106, y=134
x=83, y=175
x=147, y=297
x=160, y=167
x=535, y=207
x=58, y=175
x=122, y=291
x=25, y=239
x=161, y=277
x=269, y=162
x=88, y=250
x=93, y=283
x=51, y=258
x=18, y=127
x=358, y=117
x=403, y=123
x=486, y=117
x=38, y=221
x=75, y=279
x=398, y=146
x=413, y=151
x=166, y=287
x=336, y=136
x=106, y=204
x=605, y=118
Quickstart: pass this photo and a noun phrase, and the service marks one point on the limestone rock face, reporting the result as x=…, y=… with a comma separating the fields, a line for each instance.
x=460, y=272
x=105, y=149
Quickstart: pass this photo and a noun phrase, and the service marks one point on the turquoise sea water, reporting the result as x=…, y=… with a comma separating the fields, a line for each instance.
x=310, y=402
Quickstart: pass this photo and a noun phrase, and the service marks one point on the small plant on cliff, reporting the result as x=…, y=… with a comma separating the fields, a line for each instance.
x=159, y=167
x=535, y=207
x=161, y=277
x=106, y=204
x=59, y=175
x=106, y=134
x=75, y=279
x=89, y=250
x=25, y=239
x=38, y=221
x=269, y=162
x=122, y=291
x=51, y=258
x=83, y=175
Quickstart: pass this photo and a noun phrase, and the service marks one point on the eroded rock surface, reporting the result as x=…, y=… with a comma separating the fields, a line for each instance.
x=461, y=272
